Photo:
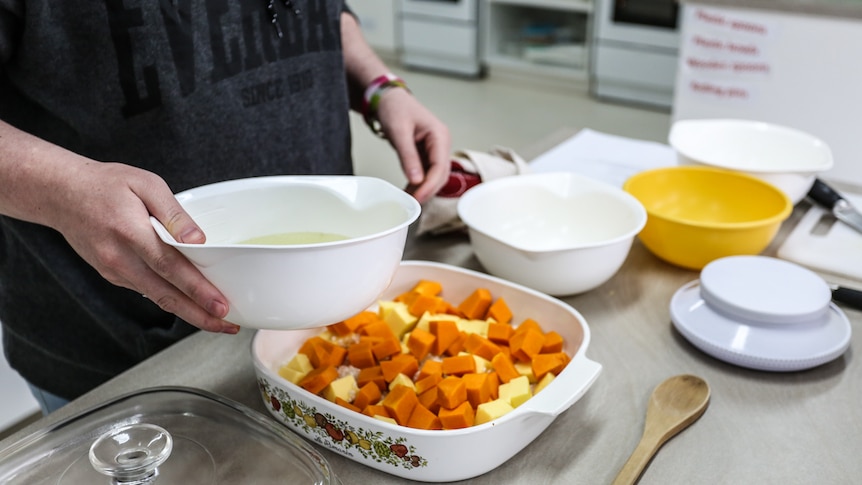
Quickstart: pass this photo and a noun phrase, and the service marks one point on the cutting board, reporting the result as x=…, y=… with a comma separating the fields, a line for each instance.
x=834, y=248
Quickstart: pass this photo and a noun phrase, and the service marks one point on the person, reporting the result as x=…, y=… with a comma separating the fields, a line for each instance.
x=109, y=108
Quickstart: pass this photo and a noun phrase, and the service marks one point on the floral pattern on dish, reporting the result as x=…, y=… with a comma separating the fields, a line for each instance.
x=336, y=434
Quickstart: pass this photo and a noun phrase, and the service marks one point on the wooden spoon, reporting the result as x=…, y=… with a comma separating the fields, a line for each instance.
x=675, y=403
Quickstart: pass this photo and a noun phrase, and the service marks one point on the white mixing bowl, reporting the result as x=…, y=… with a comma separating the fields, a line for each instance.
x=559, y=233
x=305, y=284
x=785, y=157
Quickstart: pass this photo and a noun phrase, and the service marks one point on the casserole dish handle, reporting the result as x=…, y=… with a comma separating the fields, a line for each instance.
x=555, y=398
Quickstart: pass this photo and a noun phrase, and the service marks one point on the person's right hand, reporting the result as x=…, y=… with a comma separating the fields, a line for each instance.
x=103, y=212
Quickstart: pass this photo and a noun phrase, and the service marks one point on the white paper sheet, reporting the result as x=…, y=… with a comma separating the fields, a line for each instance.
x=609, y=158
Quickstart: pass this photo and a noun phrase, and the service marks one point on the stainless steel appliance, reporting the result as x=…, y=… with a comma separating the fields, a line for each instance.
x=441, y=35
x=635, y=50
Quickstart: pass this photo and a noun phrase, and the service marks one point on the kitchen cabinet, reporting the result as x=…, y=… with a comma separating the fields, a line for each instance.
x=539, y=38
x=441, y=36
x=377, y=20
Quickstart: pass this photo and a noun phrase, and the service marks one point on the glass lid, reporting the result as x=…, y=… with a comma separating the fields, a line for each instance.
x=164, y=436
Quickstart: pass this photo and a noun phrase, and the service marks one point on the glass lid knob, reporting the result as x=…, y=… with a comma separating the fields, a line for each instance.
x=131, y=454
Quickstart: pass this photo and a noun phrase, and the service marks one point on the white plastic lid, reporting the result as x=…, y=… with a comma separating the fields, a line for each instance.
x=765, y=290
x=761, y=313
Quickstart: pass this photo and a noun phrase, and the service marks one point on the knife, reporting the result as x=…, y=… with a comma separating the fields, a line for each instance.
x=830, y=198
x=847, y=296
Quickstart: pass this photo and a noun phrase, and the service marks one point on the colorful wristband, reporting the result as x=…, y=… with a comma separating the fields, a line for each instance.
x=371, y=99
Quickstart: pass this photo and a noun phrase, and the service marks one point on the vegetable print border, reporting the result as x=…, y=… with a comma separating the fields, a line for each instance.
x=337, y=434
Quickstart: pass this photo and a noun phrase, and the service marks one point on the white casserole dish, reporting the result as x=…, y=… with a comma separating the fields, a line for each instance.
x=432, y=456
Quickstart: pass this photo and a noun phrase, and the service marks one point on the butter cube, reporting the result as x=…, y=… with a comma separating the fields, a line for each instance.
x=402, y=380
x=343, y=387
x=543, y=382
x=526, y=369
x=425, y=320
x=385, y=419
x=491, y=410
x=384, y=307
x=404, y=338
x=473, y=326
x=296, y=368
x=396, y=315
x=516, y=391
x=300, y=362
x=482, y=365
x=291, y=375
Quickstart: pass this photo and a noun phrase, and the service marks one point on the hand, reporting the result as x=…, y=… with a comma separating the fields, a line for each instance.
x=105, y=218
x=421, y=140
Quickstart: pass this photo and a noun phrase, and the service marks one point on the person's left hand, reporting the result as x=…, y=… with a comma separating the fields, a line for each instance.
x=420, y=139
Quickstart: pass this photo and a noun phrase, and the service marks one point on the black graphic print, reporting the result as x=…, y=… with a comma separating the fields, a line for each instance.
x=210, y=41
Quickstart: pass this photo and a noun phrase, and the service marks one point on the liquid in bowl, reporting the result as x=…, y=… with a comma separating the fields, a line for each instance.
x=294, y=238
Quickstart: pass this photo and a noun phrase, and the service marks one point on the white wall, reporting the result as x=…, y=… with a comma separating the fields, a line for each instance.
x=797, y=70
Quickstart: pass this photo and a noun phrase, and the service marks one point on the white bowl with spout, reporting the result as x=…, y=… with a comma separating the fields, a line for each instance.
x=334, y=244
x=559, y=233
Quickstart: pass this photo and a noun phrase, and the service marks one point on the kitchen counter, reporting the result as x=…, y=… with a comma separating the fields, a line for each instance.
x=829, y=8
x=760, y=427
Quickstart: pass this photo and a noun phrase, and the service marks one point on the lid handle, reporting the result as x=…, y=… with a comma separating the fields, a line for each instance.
x=131, y=454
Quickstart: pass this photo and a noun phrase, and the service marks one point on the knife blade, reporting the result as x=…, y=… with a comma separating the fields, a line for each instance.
x=831, y=199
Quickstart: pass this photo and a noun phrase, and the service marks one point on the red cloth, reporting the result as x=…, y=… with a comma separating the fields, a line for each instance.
x=459, y=181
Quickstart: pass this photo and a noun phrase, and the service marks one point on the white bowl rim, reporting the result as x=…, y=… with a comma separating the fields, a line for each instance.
x=580, y=358
x=638, y=209
x=684, y=124
x=406, y=200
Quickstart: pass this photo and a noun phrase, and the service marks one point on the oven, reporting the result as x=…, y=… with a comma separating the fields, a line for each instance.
x=440, y=35
x=635, y=51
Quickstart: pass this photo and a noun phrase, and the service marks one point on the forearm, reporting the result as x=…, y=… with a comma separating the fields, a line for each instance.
x=421, y=140
x=32, y=174
x=362, y=64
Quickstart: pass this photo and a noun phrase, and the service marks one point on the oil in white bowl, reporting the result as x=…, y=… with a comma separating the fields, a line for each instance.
x=294, y=238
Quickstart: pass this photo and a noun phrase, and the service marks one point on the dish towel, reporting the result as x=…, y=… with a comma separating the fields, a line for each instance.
x=469, y=168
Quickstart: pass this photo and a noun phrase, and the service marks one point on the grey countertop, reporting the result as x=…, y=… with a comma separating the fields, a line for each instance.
x=760, y=427
x=829, y=8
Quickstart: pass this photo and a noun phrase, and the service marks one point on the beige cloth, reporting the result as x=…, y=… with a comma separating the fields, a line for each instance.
x=469, y=167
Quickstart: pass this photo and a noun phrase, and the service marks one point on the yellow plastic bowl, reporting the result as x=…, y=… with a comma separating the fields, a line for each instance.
x=697, y=214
